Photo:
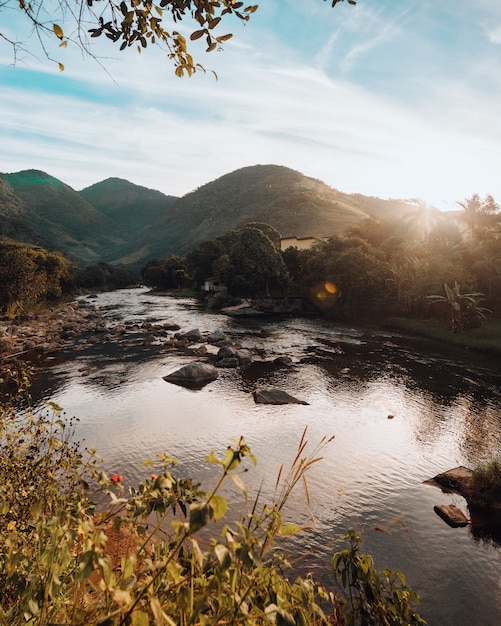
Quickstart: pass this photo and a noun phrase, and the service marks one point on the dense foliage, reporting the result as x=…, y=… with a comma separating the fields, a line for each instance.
x=33, y=278
x=150, y=554
x=126, y=224
x=104, y=277
x=30, y=277
x=425, y=263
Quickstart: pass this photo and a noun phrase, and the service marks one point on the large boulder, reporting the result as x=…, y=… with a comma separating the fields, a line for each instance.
x=275, y=396
x=196, y=374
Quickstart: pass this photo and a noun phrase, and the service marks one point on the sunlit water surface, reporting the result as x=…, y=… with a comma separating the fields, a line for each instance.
x=445, y=411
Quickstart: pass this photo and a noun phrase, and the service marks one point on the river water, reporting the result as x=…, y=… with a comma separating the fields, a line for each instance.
x=400, y=409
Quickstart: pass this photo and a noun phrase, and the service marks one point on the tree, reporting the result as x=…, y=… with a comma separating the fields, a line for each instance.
x=167, y=273
x=30, y=275
x=253, y=266
x=478, y=213
x=422, y=217
x=346, y=277
x=465, y=310
x=129, y=23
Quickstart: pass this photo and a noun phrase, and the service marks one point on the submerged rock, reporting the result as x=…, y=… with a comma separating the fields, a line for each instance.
x=451, y=515
x=196, y=374
x=275, y=396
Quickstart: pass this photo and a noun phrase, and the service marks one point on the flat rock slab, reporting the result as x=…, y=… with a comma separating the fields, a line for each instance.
x=457, y=479
x=275, y=396
x=196, y=374
x=451, y=514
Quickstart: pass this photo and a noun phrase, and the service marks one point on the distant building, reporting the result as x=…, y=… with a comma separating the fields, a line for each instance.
x=301, y=243
x=212, y=285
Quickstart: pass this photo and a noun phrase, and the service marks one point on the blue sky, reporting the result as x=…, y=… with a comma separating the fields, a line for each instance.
x=390, y=99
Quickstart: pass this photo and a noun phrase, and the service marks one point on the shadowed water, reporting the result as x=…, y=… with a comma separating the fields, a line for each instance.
x=400, y=410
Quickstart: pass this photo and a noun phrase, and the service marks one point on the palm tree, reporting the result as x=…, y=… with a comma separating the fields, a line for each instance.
x=477, y=212
x=422, y=216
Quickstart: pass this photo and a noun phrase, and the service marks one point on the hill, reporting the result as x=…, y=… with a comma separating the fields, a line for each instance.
x=126, y=224
x=57, y=213
x=132, y=207
x=294, y=204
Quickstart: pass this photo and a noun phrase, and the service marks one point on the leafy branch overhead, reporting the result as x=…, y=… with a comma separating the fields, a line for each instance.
x=135, y=23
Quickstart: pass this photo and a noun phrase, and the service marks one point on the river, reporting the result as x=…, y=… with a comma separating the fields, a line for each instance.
x=400, y=409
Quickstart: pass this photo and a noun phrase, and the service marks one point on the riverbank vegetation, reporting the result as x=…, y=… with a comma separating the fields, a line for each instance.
x=165, y=551
x=429, y=266
x=34, y=279
x=487, y=475
x=431, y=273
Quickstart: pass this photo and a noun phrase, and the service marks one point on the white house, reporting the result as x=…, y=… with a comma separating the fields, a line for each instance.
x=212, y=285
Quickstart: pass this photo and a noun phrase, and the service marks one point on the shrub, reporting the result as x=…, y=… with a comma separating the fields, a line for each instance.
x=144, y=556
x=487, y=475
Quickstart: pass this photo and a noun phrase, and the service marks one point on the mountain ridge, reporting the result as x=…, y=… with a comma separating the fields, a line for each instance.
x=126, y=224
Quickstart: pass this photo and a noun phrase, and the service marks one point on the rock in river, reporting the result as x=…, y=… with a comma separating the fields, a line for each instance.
x=196, y=374
x=275, y=396
x=451, y=514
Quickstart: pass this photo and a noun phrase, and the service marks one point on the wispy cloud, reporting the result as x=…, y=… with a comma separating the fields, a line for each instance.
x=407, y=135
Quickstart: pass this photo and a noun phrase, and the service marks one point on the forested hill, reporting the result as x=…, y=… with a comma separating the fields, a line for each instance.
x=122, y=223
x=38, y=209
x=131, y=206
x=57, y=213
x=294, y=204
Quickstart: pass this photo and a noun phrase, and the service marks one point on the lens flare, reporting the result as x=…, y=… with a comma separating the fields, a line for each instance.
x=324, y=295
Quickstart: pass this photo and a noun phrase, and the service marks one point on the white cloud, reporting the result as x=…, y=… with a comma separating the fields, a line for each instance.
x=267, y=107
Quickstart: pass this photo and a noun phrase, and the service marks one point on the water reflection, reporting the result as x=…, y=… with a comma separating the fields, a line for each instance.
x=445, y=411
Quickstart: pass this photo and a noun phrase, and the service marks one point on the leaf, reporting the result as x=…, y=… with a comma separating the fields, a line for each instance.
x=219, y=507
x=86, y=565
x=139, y=618
x=223, y=555
x=213, y=458
x=213, y=23
x=231, y=459
x=197, y=34
x=52, y=405
x=224, y=38
x=237, y=481
x=289, y=529
x=197, y=553
x=58, y=31
x=200, y=514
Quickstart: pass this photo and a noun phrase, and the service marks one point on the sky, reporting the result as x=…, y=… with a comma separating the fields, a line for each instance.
x=388, y=99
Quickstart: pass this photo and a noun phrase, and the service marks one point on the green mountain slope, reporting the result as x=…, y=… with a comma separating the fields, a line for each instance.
x=60, y=215
x=294, y=204
x=130, y=206
x=122, y=223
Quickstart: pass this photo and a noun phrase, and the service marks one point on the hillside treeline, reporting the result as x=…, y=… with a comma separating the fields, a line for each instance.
x=426, y=264
x=32, y=277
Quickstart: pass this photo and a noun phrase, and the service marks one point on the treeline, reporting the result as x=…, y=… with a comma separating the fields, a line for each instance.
x=429, y=263
x=31, y=277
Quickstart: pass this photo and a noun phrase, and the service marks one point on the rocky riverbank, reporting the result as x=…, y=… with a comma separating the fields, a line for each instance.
x=50, y=330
